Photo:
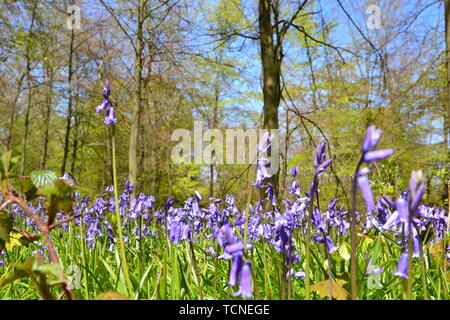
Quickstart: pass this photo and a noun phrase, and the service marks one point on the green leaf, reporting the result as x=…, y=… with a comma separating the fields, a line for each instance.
x=20, y=271
x=6, y=225
x=41, y=178
x=54, y=271
x=344, y=251
x=15, y=275
x=28, y=188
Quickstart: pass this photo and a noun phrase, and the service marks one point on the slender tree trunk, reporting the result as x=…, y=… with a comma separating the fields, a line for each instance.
x=447, y=112
x=271, y=75
x=12, y=117
x=23, y=158
x=75, y=137
x=137, y=108
x=215, y=121
x=69, y=107
x=47, y=114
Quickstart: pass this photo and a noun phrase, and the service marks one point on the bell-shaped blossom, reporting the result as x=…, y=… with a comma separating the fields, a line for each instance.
x=107, y=105
x=402, y=269
x=245, y=282
x=371, y=139
x=377, y=155
x=366, y=191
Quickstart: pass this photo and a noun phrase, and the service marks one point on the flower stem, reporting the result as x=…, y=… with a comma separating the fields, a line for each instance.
x=308, y=239
x=423, y=270
x=410, y=273
x=353, y=262
x=83, y=260
x=123, y=257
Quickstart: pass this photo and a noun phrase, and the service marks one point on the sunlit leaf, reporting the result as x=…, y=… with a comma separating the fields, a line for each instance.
x=338, y=291
x=42, y=177
x=111, y=295
x=344, y=251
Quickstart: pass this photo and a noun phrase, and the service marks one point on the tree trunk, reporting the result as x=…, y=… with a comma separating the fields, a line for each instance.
x=69, y=108
x=12, y=118
x=446, y=114
x=137, y=108
x=271, y=75
x=47, y=114
x=23, y=158
x=75, y=137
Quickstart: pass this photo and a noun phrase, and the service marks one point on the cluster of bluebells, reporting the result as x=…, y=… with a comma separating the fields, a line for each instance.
x=222, y=222
x=275, y=223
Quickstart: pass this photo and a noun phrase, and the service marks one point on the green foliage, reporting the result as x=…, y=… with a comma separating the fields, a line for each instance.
x=41, y=178
x=43, y=275
x=8, y=164
x=6, y=226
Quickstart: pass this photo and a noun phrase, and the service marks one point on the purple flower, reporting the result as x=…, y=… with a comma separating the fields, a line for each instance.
x=234, y=248
x=236, y=268
x=371, y=269
x=371, y=139
x=364, y=186
x=370, y=142
x=245, y=282
x=416, y=191
x=294, y=171
x=291, y=273
x=320, y=164
x=402, y=207
x=329, y=243
x=377, y=155
x=110, y=120
x=102, y=107
x=402, y=269
x=320, y=154
x=265, y=143
x=373, y=135
x=261, y=172
x=106, y=90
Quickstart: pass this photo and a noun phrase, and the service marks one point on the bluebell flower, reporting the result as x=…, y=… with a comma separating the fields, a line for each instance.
x=402, y=269
x=291, y=273
x=107, y=105
x=370, y=155
x=366, y=191
x=245, y=282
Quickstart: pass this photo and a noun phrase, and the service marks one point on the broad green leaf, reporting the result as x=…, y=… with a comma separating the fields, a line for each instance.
x=54, y=271
x=42, y=177
x=344, y=251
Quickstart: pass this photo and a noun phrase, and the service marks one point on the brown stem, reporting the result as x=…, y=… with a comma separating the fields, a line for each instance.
x=45, y=230
x=57, y=224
